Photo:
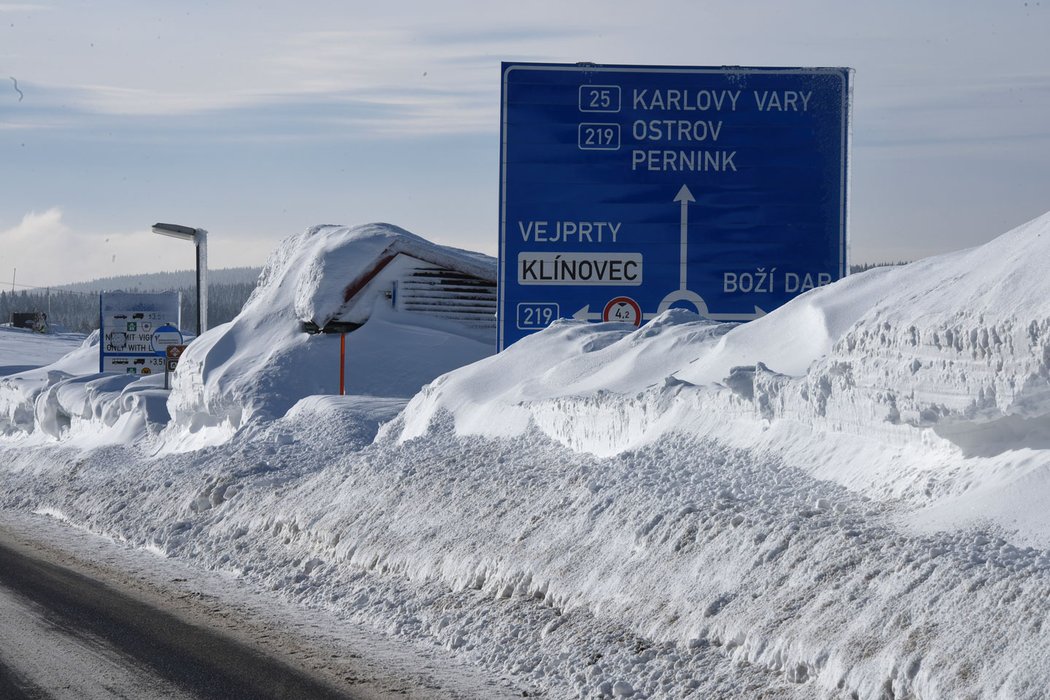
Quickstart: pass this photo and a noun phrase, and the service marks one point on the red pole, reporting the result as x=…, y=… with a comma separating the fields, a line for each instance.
x=342, y=364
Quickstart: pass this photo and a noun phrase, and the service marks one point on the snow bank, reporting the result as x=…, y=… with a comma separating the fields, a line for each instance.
x=70, y=400
x=843, y=499
x=19, y=391
x=261, y=363
x=678, y=569
x=936, y=373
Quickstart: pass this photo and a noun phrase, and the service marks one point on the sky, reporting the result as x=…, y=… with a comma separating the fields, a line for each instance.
x=255, y=120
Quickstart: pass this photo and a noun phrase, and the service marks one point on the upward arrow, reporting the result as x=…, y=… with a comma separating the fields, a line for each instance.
x=684, y=196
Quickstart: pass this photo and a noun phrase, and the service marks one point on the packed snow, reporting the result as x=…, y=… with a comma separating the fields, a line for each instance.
x=22, y=345
x=843, y=498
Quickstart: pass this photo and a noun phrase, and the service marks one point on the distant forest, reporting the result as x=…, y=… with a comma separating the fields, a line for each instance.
x=853, y=269
x=75, y=307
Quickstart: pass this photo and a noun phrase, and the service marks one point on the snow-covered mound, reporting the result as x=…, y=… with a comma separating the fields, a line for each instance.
x=961, y=338
x=261, y=363
x=843, y=499
x=69, y=399
x=946, y=361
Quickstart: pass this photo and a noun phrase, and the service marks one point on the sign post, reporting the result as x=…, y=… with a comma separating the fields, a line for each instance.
x=629, y=190
x=342, y=364
x=172, y=354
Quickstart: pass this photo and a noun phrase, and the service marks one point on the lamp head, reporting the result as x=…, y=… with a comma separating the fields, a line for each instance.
x=176, y=231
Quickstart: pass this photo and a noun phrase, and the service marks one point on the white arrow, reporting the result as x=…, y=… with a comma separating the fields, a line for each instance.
x=585, y=314
x=759, y=313
x=684, y=196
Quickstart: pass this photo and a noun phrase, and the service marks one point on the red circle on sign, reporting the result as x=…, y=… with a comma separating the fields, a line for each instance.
x=623, y=310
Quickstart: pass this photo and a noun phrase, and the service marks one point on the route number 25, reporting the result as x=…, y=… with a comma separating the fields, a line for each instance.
x=599, y=98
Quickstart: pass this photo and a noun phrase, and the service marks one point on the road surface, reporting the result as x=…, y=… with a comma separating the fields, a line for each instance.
x=81, y=627
x=63, y=634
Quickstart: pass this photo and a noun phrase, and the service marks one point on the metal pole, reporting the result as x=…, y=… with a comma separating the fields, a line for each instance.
x=200, y=239
x=198, y=249
x=342, y=364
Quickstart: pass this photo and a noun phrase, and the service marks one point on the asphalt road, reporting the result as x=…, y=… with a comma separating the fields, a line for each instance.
x=64, y=635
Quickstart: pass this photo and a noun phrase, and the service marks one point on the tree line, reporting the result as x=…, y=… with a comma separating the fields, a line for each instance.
x=863, y=267
x=78, y=311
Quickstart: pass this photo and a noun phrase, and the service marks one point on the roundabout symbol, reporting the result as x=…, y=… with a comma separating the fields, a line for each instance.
x=683, y=293
x=629, y=311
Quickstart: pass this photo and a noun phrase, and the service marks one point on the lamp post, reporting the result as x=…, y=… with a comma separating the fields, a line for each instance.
x=200, y=240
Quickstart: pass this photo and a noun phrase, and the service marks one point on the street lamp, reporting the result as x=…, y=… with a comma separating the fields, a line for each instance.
x=200, y=239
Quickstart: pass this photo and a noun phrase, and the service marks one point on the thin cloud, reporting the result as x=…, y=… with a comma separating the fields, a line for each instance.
x=114, y=100
x=23, y=7
x=384, y=82
x=46, y=251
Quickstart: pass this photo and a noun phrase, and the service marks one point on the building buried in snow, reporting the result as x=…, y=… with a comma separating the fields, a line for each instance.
x=410, y=275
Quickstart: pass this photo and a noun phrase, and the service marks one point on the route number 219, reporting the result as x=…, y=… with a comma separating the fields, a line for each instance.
x=599, y=137
x=536, y=315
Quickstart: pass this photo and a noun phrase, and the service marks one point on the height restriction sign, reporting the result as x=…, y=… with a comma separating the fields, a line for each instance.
x=629, y=190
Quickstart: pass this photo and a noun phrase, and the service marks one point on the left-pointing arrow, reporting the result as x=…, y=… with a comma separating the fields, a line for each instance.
x=585, y=314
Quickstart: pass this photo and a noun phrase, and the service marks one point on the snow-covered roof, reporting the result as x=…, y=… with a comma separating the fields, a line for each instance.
x=332, y=264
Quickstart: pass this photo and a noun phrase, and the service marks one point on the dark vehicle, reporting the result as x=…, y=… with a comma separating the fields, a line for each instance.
x=33, y=320
x=138, y=315
x=120, y=362
x=120, y=316
x=140, y=361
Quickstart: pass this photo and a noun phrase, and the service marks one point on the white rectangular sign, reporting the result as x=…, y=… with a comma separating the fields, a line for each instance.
x=135, y=330
x=620, y=269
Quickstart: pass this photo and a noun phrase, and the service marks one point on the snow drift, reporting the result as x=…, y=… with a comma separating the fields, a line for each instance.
x=937, y=372
x=261, y=363
x=845, y=498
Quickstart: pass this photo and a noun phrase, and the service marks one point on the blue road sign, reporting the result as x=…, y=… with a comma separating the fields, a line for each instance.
x=628, y=190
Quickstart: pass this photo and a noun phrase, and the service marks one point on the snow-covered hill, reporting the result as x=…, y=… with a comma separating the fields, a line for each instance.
x=842, y=499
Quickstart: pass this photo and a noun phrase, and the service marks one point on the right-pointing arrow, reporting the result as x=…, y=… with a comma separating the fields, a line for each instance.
x=759, y=313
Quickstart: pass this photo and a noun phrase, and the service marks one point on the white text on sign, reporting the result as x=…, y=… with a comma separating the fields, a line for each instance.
x=569, y=231
x=599, y=98
x=771, y=282
x=675, y=100
x=620, y=269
